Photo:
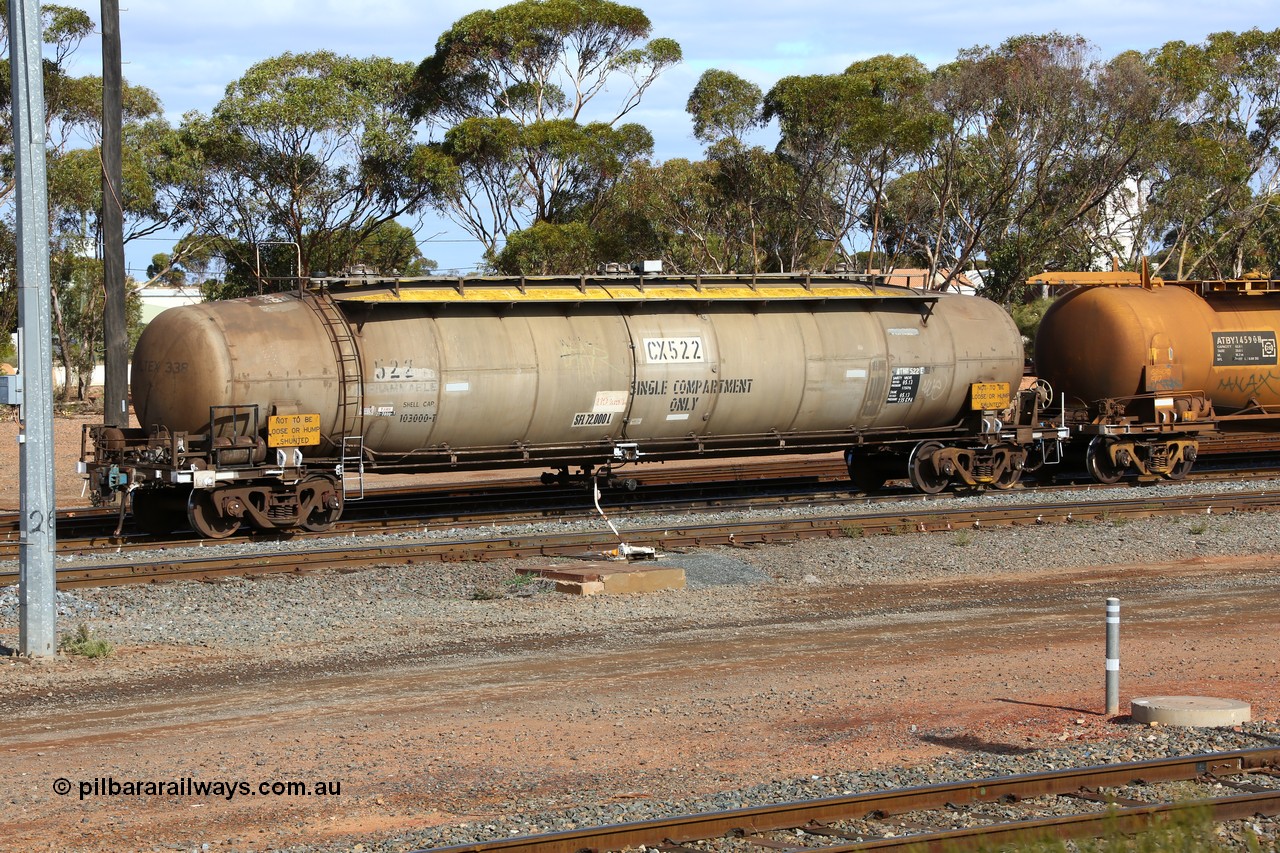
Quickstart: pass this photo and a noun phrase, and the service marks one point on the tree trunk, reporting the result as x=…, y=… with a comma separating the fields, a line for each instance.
x=59, y=327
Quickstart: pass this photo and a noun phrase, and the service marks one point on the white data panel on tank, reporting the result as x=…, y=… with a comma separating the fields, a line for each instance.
x=674, y=350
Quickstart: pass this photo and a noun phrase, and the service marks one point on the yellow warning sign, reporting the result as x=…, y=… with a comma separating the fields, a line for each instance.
x=293, y=430
x=990, y=396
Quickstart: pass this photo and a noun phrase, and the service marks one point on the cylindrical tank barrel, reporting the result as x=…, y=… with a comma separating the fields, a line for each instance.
x=561, y=373
x=1097, y=343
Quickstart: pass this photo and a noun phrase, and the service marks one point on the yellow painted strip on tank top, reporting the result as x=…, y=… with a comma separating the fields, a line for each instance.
x=623, y=294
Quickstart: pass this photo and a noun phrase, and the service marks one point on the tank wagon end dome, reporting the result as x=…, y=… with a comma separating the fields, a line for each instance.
x=179, y=365
x=242, y=352
x=1096, y=342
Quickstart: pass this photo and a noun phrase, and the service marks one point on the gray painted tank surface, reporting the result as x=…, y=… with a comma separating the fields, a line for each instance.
x=564, y=372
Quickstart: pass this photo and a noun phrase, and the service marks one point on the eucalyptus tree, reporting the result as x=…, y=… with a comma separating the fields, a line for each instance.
x=714, y=213
x=309, y=149
x=73, y=121
x=750, y=221
x=515, y=95
x=549, y=249
x=1266, y=251
x=67, y=109
x=388, y=247
x=709, y=215
x=816, y=114
x=725, y=108
x=75, y=205
x=1040, y=138
x=718, y=214
x=895, y=123
x=845, y=136
x=154, y=174
x=223, y=268
x=1215, y=179
x=801, y=204
x=63, y=29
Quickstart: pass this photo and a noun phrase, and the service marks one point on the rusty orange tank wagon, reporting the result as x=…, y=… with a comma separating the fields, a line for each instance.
x=1147, y=365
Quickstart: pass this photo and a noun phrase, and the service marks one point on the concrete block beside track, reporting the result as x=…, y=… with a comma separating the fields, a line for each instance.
x=603, y=578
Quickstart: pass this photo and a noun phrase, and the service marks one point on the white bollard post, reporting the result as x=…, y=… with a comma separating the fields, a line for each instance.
x=1113, y=656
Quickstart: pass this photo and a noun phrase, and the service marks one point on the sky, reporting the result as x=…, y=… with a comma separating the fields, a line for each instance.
x=188, y=52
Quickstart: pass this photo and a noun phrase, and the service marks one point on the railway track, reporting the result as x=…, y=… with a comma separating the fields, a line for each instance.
x=1079, y=803
x=207, y=561
x=402, y=510
x=754, y=484
x=737, y=484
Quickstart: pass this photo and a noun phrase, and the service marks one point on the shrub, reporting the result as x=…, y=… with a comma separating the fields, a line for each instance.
x=82, y=642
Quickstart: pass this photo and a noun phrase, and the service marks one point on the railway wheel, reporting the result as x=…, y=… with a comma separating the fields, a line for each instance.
x=202, y=513
x=325, y=499
x=1097, y=460
x=158, y=511
x=1181, y=469
x=924, y=476
x=1011, y=477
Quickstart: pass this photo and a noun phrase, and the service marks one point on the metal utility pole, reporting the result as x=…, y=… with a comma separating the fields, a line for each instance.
x=115, y=399
x=37, y=591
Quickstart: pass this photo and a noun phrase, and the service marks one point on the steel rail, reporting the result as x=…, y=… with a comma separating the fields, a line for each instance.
x=1128, y=820
x=401, y=510
x=666, y=538
x=88, y=529
x=670, y=833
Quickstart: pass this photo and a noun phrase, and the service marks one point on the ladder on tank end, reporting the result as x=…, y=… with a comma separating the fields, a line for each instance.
x=352, y=469
x=347, y=359
x=350, y=415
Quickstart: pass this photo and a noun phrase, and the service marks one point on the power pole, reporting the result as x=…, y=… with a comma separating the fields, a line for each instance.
x=37, y=585
x=115, y=399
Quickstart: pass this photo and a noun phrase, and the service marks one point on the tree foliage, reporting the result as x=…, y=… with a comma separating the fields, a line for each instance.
x=844, y=135
x=537, y=60
x=725, y=108
x=1031, y=154
x=804, y=204
x=310, y=149
x=1040, y=138
x=78, y=297
x=1212, y=180
x=548, y=249
x=520, y=127
x=516, y=93
x=73, y=119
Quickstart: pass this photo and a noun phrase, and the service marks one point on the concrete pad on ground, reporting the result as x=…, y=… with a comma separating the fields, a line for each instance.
x=604, y=578
x=1196, y=711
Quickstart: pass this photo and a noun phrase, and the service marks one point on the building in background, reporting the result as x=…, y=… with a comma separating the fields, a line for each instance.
x=159, y=297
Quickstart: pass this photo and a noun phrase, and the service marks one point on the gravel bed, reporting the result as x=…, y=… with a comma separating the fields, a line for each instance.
x=285, y=619
x=69, y=606
x=335, y=606
x=1142, y=744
